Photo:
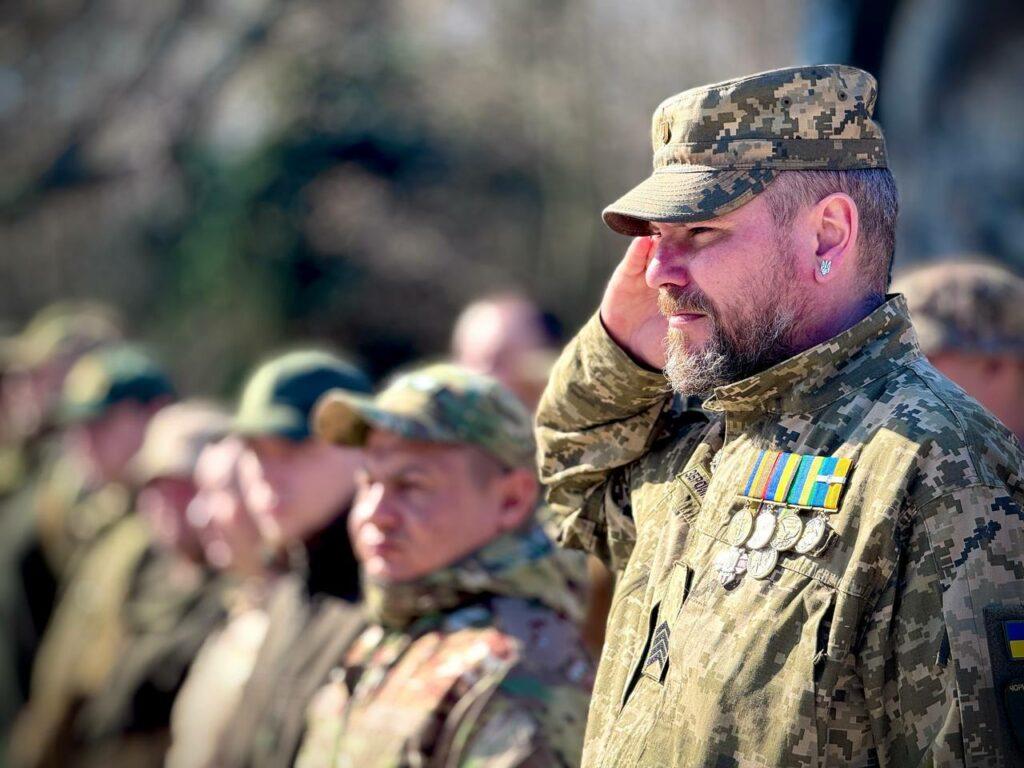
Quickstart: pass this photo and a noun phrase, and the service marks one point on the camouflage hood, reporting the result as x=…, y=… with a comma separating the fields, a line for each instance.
x=522, y=565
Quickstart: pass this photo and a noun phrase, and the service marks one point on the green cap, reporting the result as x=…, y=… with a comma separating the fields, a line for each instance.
x=439, y=403
x=965, y=307
x=279, y=397
x=175, y=437
x=65, y=328
x=107, y=376
x=717, y=146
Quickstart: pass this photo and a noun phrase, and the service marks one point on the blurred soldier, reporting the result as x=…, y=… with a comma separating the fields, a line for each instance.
x=172, y=603
x=970, y=321
x=35, y=364
x=297, y=490
x=109, y=398
x=826, y=567
x=508, y=337
x=472, y=655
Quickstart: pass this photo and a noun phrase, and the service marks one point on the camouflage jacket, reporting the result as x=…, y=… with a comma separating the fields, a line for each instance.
x=480, y=664
x=879, y=635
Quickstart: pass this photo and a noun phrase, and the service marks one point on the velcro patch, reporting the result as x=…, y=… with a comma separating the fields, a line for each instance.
x=697, y=481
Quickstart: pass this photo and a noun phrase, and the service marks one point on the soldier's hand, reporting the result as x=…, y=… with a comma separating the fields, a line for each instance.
x=629, y=309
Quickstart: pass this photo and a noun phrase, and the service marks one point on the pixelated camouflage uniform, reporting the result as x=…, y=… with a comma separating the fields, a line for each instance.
x=886, y=647
x=874, y=652
x=479, y=664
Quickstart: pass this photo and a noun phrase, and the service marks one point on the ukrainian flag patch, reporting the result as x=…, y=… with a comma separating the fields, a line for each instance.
x=1015, y=639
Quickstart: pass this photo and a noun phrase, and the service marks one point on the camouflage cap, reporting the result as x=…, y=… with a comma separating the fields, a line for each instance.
x=62, y=329
x=965, y=307
x=278, y=398
x=439, y=403
x=175, y=437
x=717, y=146
x=108, y=376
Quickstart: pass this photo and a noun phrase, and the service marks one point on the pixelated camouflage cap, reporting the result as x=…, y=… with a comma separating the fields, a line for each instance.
x=965, y=307
x=64, y=328
x=108, y=376
x=279, y=396
x=717, y=146
x=438, y=403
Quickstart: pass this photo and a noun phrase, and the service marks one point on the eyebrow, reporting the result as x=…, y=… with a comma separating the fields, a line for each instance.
x=393, y=468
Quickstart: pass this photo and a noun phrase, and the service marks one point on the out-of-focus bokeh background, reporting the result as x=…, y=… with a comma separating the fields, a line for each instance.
x=238, y=175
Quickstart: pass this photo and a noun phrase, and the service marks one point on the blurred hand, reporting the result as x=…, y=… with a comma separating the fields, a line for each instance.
x=629, y=309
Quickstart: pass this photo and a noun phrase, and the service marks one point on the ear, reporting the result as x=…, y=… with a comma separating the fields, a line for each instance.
x=518, y=498
x=837, y=224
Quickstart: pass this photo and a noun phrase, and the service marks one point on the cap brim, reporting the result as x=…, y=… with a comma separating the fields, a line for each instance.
x=344, y=418
x=685, y=193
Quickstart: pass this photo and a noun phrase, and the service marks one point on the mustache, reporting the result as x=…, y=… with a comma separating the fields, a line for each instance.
x=682, y=301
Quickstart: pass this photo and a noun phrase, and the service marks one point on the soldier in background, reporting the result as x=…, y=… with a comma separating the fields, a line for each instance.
x=509, y=337
x=172, y=603
x=970, y=322
x=296, y=490
x=36, y=362
x=472, y=655
x=92, y=543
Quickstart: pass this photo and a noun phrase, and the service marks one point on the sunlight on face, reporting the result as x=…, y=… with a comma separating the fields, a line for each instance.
x=420, y=507
x=727, y=289
x=293, y=489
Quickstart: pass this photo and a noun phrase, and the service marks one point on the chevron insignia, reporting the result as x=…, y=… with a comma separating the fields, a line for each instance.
x=657, y=657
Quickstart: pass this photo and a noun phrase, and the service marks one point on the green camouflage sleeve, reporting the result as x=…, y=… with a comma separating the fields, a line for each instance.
x=595, y=418
x=930, y=645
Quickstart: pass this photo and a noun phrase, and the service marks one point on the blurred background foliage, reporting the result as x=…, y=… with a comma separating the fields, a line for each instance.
x=241, y=175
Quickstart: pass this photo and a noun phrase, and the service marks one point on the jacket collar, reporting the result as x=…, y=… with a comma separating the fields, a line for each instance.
x=879, y=344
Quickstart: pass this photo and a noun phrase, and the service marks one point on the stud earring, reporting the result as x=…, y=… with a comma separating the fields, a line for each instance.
x=826, y=266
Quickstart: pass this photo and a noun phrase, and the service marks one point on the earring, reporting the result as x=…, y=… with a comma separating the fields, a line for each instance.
x=826, y=266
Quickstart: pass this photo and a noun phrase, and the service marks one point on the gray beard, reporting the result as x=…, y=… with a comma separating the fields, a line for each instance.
x=724, y=360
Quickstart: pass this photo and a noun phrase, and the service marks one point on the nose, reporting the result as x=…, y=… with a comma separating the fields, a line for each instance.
x=667, y=265
x=374, y=506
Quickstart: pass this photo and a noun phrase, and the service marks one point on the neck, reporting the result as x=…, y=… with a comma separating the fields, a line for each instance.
x=839, y=318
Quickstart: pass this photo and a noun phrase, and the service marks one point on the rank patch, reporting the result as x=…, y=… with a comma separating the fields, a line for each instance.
x=657, y=657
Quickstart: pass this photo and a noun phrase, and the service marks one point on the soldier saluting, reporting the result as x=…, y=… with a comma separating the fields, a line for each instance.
x=826, y=568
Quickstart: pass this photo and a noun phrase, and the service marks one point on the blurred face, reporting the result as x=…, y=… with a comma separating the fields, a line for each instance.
x=103, y=447
x=163, y=502
x=728, y=289
x=420, y=507
x=294, y=489
x=29, y=396
x=226, y=532
x=499, y=339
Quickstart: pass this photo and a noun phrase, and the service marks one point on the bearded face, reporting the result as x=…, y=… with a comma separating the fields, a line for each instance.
x=748, y=335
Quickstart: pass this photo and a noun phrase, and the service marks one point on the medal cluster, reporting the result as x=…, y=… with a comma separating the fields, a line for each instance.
x=757, y=537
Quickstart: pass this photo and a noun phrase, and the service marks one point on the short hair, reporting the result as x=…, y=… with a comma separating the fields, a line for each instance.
x=874, y=192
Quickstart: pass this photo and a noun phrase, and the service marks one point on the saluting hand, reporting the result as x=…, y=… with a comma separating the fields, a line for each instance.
x=629, y=309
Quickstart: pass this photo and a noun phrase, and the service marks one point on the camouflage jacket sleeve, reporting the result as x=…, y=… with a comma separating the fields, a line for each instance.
x=933, y=638
x=595, y=419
